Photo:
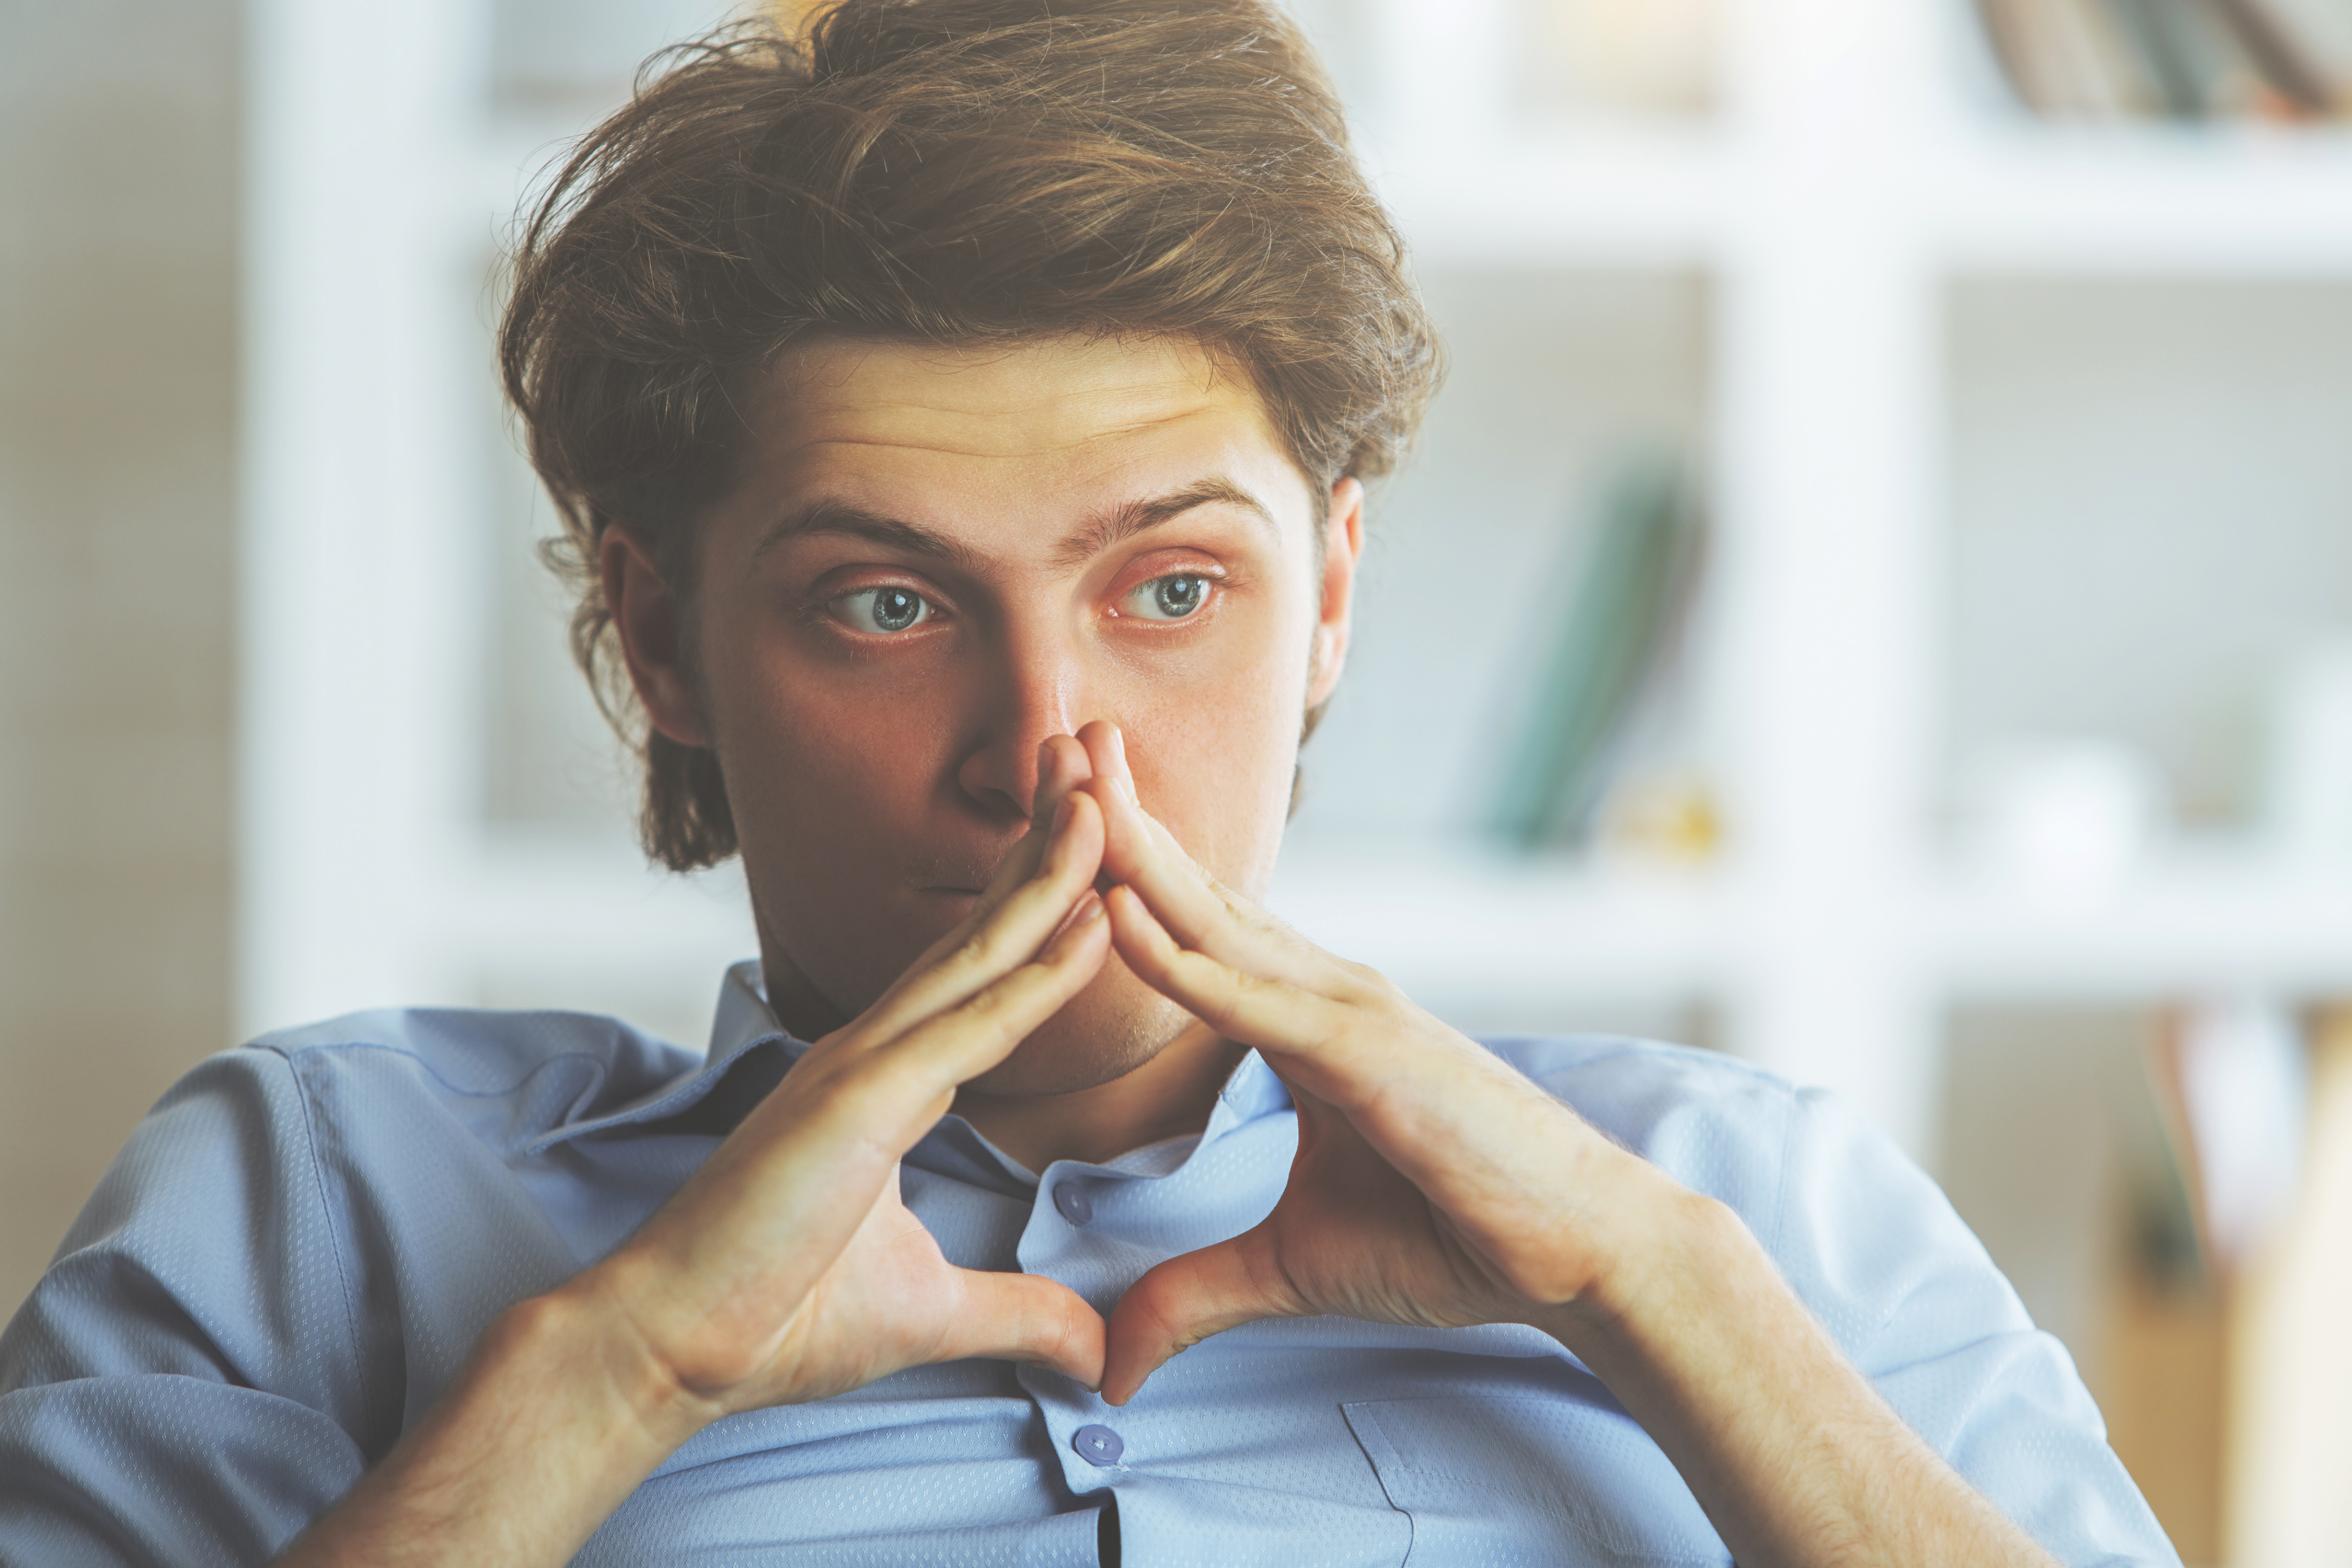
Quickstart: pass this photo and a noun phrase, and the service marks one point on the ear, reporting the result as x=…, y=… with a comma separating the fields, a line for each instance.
x=1343, y=548
x=647, y=617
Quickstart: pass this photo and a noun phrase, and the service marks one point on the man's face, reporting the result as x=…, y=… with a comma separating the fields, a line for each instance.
x=933, y=560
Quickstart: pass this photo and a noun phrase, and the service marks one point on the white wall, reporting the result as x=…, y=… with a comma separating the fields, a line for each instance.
x=117, y=385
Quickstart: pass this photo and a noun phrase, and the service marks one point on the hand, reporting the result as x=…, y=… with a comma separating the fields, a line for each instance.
x=1433, y=1185
x=787, y=1269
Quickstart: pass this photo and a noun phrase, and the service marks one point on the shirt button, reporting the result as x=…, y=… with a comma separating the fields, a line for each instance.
x=1077, y=1208
x=1097, y=1446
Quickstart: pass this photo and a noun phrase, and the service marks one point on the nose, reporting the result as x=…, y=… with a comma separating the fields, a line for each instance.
x=1032, y=689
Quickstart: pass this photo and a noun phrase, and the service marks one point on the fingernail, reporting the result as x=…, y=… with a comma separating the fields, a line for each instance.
x=1081, y=914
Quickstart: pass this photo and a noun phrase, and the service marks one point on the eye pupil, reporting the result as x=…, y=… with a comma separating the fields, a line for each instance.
x=895, y=609
x=1178, y=596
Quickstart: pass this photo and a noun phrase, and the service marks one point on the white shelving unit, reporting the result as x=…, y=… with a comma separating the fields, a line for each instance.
x=1841, y=185
x=1844, y=182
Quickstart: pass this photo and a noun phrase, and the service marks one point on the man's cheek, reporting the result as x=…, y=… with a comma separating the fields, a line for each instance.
x=1226, y=800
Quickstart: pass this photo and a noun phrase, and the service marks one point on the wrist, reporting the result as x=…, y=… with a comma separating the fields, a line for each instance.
x=1786, y=1446
x=1663, y=1257
x=588, y=1334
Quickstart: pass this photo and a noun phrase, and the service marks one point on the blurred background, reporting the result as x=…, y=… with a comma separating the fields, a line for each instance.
x=1875, y=596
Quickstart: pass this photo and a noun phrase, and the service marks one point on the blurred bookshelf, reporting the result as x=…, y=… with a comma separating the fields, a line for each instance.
x=1846, y=195
x=1820, y=248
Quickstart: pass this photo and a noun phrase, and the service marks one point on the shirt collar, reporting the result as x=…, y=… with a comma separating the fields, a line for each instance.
x=751, y=1052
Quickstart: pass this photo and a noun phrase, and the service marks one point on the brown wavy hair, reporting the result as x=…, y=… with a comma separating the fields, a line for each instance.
x=956, y=172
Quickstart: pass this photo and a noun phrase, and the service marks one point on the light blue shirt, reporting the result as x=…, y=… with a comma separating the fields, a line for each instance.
x=297, y=1249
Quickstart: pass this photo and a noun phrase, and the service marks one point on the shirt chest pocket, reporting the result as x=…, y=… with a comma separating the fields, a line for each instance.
x=1531, y=1480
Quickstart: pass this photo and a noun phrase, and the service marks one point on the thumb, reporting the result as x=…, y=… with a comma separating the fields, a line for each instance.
x=1178, y=1303
x=1023, y=1317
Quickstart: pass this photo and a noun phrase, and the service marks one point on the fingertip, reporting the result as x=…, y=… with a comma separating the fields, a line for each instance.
x=1127, y=842
x=1106, y=747
x=1071, y=832
x=1084, y=942
x=1085, y=912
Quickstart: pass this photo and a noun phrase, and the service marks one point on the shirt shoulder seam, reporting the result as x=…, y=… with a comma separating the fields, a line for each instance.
x=326, y=1210
x=409, y=1054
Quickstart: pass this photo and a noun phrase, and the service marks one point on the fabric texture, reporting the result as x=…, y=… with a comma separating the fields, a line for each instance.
x=299, y=1246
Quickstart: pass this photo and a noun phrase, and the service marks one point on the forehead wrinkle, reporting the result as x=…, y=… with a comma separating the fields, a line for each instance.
x=1032, y=445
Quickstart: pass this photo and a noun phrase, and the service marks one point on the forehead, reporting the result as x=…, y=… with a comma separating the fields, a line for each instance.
x=1055, y=411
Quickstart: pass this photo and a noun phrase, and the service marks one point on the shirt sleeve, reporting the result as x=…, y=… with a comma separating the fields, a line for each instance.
x=1870, y=1243
x=184, y=1386
x=1874, y=1246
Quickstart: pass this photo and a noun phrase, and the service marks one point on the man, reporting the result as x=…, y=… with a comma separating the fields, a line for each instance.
x=960, y=427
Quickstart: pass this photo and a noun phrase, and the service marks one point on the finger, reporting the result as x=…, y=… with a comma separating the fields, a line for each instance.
x=1435, y=1110
x=1139, y=851
x=1270, y=1012
x=1063, y=764
x=967, y=1039
x=1105, y=749
x=1060, y=765
x=1194, y=908
x=1025, y=1318
x=1182, y=1302
x=843, y=1118
x=982, y=949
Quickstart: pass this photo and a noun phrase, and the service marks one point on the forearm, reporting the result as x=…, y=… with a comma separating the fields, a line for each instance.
x=1793, y=1455
x=555, y=1419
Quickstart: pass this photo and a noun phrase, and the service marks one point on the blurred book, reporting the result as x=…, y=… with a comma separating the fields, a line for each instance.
x=2291, y=1397
x=1626, y=585
x=2227, y=1384
x=2160, y=1366
x=2180, y=59
x=2231, y=1078
x=2157, y=1180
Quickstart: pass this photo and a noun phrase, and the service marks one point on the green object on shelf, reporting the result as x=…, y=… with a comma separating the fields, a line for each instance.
x=1630, y=584
x=2172, y=42
x=2184, y=60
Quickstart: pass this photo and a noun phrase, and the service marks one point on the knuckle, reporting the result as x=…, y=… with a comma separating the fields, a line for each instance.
x=985, y=1012
x=978, y=944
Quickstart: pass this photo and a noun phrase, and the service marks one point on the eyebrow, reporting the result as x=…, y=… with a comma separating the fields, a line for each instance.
x=836, y=517
x=1138, y=516
x=1091, y=538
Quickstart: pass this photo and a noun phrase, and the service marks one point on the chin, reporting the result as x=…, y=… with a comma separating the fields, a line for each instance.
x=1106, y=1031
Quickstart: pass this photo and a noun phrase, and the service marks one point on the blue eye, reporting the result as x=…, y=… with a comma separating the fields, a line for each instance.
x=1170, y=598
x=883, y=609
